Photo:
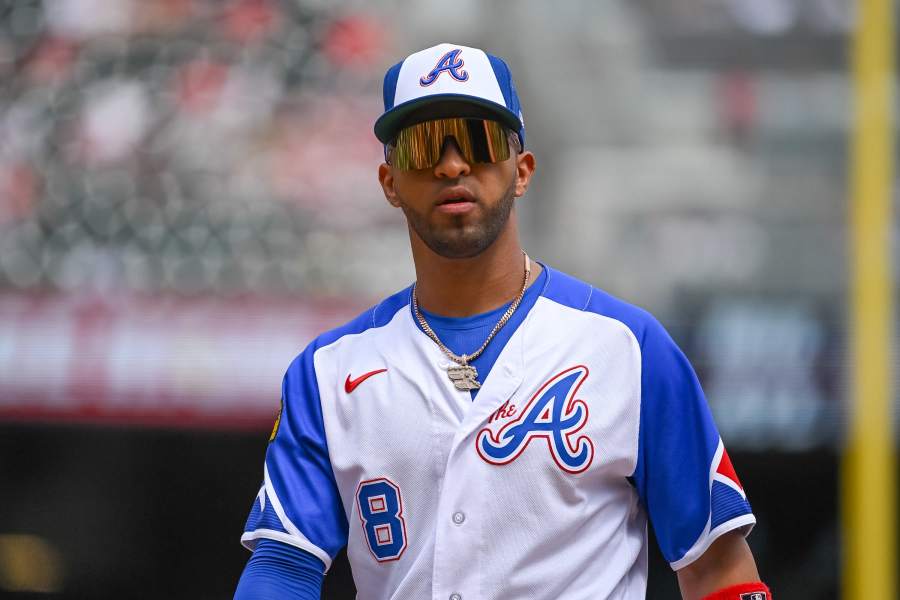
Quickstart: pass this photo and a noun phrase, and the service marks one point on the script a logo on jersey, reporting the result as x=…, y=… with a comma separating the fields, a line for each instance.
x=554, y=415
x=449, y=63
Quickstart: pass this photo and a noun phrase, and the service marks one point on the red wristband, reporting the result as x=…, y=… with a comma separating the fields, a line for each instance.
x=756, y=590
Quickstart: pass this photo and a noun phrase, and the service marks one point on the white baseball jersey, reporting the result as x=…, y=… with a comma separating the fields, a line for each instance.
x=590, y=420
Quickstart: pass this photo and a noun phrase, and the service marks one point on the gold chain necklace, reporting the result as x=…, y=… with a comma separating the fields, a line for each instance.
x=465, y=376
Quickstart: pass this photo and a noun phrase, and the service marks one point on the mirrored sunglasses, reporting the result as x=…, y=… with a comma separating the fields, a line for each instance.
x=479, y=140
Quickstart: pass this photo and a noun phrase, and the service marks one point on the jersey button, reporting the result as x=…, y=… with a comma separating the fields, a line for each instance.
x=459, y=518
x=455, y=596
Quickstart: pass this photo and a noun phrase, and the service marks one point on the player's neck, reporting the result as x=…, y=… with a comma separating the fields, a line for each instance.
x=470, y=286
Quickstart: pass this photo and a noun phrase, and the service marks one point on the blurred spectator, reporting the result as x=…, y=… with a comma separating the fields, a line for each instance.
x=737, y=105
x=174, y=132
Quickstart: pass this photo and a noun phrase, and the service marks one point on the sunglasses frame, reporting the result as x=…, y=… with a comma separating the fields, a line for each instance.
x=512, y=139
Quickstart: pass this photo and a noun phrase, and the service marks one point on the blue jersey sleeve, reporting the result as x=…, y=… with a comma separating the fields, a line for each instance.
x=683, y=475
x=276, y=571
x=299, y=503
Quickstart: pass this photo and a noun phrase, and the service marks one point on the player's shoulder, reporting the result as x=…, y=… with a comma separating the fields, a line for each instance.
x=566, y=290
x=374, y=317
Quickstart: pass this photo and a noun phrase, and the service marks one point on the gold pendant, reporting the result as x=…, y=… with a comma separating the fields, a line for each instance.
x=464, y=377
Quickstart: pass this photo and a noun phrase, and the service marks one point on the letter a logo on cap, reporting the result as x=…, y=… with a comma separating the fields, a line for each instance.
x=450, y=63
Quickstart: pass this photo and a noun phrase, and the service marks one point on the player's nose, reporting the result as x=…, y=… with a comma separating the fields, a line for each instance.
x=452, y=163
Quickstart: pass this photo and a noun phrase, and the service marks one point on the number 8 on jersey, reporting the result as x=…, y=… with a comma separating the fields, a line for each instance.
x=381, y=512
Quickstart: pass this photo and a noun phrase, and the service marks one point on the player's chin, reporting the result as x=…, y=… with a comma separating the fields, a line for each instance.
x=465, y=242
x=451, y=224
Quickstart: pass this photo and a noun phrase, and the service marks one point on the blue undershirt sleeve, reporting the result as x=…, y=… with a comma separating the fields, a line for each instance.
x=277, y=570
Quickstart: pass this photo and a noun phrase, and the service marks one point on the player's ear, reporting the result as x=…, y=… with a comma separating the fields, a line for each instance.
x=386, y=179
x=525, y=164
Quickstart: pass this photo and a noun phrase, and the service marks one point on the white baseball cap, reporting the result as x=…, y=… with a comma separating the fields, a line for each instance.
x=448, y=80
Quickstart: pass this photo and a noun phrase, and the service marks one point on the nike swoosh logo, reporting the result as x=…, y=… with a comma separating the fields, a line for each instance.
x=351, y=384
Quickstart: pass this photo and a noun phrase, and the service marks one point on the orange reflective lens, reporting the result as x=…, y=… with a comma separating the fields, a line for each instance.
x=480, y=141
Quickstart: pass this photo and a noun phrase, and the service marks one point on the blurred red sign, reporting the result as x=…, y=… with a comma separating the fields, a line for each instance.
x=166, y=362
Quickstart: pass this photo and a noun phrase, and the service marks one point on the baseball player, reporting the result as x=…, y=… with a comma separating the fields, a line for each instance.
x=499, y=429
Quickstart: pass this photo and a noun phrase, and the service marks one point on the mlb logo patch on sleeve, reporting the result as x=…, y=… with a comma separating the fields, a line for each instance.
x=745, y=591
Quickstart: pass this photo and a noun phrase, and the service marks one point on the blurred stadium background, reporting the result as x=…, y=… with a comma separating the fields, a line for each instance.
x=188, y=195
